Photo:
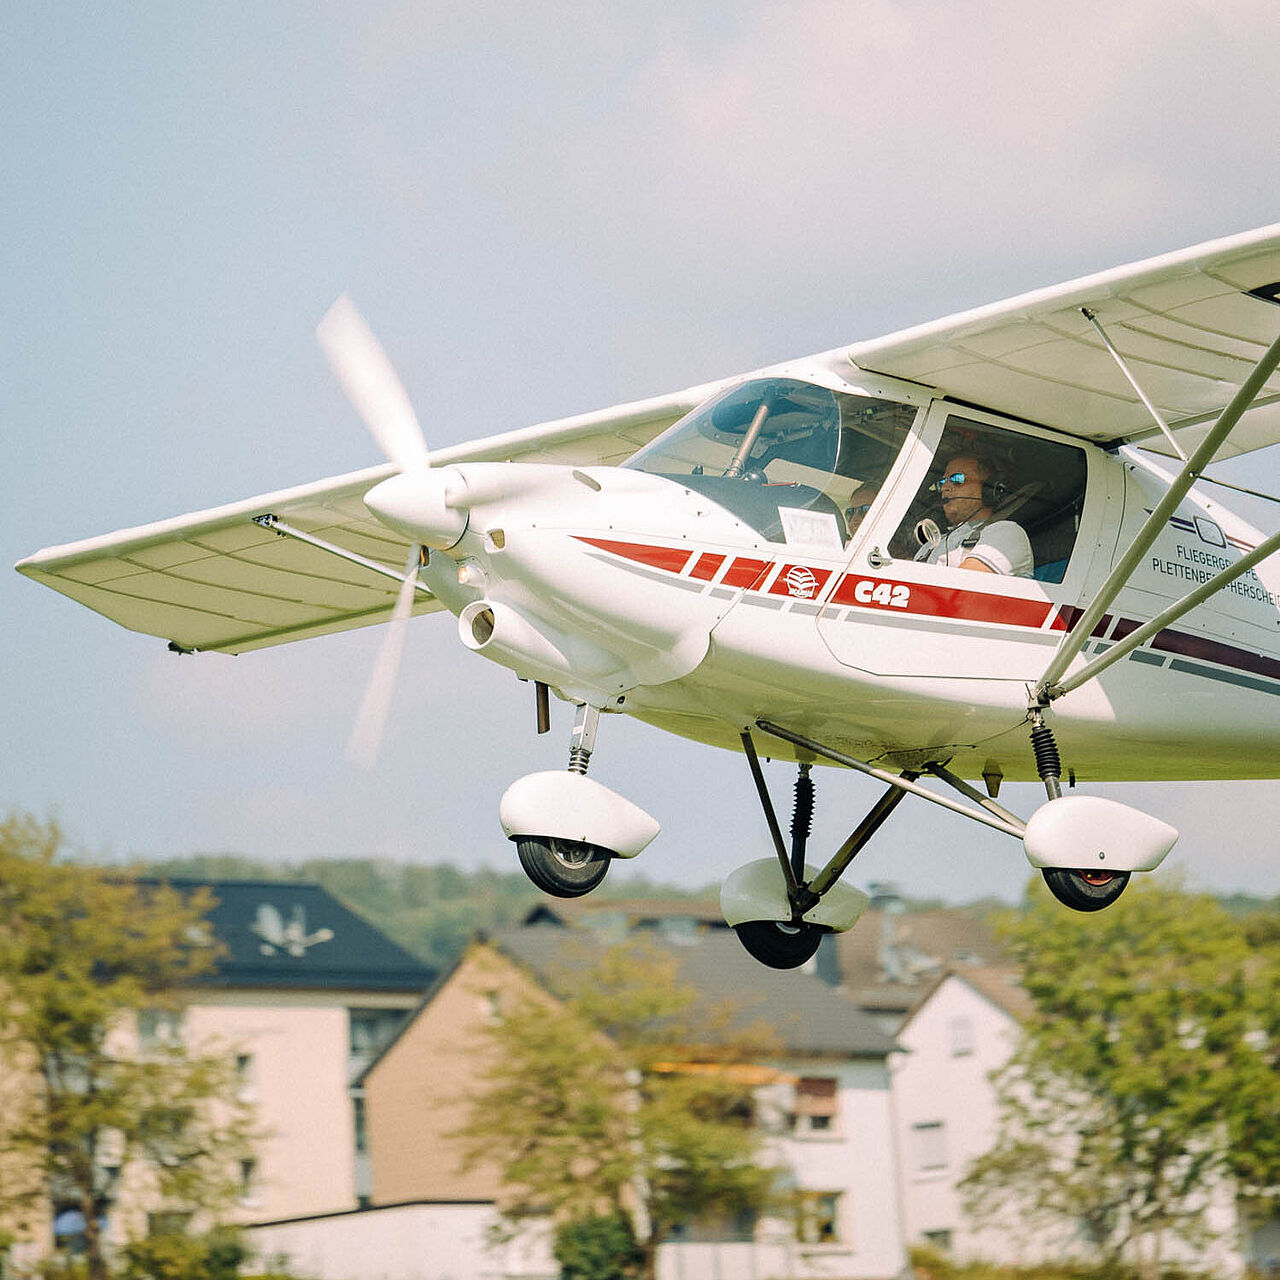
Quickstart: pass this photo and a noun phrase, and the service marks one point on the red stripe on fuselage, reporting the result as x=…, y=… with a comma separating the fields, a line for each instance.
x=924, y=599
x=672, y=559
x=707, y=566
x=745, y=572
x=939, y=602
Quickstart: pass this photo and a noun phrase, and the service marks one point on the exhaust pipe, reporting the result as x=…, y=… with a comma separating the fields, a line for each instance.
x=507, y=637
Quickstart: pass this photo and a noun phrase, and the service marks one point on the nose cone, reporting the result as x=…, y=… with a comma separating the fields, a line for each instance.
x=417, y=504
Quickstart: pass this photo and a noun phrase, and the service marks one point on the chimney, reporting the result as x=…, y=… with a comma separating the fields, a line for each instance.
x=886, y=899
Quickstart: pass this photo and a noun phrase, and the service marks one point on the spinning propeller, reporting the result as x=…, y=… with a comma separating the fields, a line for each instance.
x=377, y=395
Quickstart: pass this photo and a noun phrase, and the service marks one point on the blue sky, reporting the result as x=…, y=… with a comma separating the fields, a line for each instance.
x=541, y=210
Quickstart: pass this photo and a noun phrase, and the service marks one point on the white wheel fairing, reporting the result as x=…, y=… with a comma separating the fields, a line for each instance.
x=571, y=806
x=1090, y=833
x=757, y=892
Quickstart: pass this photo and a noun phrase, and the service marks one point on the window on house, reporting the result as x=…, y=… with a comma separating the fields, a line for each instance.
x=939, y=1239
x=360, y=1121
x=738, y=1228
x=168, y=1223
x=930, y=1141
x=69, y=1227
x=159, y=1028
x=370, y=1030
x=816, y=1104
x=248, y=1182
x=491, y=1005
x=961, y=1037
x=245, y=1091
x=818, y=1217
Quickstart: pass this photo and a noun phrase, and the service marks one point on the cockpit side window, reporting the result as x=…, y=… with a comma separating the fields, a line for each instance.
x=996, y=500
x=795, y=461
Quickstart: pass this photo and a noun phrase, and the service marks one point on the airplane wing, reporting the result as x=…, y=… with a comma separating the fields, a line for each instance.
x=1191, y=325
x=214, y=580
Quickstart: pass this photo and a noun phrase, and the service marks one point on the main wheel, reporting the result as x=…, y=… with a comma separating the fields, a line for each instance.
x=780, y=946
x=563, y=868
x=1085, y=890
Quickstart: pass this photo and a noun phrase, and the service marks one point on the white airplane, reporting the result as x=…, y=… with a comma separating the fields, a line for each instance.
x=795, y=557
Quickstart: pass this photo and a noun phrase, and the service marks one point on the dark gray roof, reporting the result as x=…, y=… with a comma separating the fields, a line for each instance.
x=890, y=961
x=283, y=934
x=806, y=1014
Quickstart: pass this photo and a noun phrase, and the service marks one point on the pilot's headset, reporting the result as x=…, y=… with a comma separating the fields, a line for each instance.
x=994, y=488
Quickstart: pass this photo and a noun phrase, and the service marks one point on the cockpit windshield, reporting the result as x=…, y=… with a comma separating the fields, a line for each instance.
x=796, y=461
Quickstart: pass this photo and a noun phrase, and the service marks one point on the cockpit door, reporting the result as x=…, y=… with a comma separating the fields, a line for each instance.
x=904, y=606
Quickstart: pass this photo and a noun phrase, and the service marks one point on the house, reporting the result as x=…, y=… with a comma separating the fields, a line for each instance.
x=963, y=1030
x=823, y=1103
x=893, y=957
x=304, y=995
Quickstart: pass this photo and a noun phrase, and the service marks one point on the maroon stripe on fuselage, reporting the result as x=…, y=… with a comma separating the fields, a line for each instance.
x=1068, y=615
x=1187, y=645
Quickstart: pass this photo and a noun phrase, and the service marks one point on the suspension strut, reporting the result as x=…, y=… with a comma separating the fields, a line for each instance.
x=1048, y=762
x=801, y=819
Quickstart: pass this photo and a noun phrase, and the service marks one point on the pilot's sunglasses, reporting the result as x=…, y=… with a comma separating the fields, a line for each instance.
x=859, y=511
x=956, y=478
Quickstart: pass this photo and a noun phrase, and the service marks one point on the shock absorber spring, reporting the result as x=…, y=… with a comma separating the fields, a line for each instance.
x=1048, y=762
x=801, y=819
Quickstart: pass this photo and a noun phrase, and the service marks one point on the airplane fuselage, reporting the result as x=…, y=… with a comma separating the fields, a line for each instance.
x=648, y=599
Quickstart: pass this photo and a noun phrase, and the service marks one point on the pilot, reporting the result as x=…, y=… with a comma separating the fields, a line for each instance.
x=973, y=540
x=860, y=501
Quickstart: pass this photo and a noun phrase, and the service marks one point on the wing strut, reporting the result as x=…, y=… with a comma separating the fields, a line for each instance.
x=277, y=525
x=1092, y=318
x=1049, y=687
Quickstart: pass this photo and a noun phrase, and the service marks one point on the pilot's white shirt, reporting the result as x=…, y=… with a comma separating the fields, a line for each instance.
x=1002, y=545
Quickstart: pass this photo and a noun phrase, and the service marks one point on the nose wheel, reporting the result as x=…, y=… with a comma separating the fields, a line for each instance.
x=566, y=827
x=562, y=868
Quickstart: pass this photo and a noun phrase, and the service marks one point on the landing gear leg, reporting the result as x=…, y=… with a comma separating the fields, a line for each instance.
x=1080, y=890
x=790, y=936
x=561, y=867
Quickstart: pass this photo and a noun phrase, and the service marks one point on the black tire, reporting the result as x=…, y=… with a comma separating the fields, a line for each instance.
x=780, y=946
x=1085, y=890
x=562, y=868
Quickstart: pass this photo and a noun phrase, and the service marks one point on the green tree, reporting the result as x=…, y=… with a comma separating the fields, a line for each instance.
x=82, y=951
x=622, y=1095
x=1146, y=1078
x=601, y=1247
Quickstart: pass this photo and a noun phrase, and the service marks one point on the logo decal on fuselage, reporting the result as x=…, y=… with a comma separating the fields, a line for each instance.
x=801, y=582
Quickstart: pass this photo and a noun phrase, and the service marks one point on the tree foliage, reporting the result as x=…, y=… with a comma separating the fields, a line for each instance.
x=86, y=1109
x=618, y=1096
x=1146, y=1078
x=600, y=1247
